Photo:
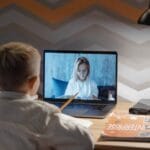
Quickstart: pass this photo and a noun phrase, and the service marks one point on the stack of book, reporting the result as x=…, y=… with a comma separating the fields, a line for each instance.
x=124, y=126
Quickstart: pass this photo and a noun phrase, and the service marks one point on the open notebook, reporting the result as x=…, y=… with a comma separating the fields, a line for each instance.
x=90, y=74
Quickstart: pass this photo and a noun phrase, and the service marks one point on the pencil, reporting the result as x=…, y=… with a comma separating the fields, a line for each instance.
x=68, y=101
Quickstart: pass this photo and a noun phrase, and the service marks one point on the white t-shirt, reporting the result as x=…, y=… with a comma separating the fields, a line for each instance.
x=42, y=120
x=85, y=89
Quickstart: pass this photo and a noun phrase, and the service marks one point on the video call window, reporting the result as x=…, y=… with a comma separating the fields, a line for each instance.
x=92, y=76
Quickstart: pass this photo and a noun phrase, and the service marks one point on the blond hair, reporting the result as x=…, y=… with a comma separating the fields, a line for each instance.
x=18, y=62
x=78, y=62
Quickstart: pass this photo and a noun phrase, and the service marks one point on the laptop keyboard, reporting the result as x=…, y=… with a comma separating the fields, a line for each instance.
x=99, y=107
x=88, y=106
x=90, y=109
x=93, y=106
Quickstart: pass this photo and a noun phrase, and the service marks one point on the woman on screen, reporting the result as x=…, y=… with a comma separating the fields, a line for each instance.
x=80, y=82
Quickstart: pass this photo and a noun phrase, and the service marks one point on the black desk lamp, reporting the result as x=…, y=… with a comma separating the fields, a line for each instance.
x=145, y=17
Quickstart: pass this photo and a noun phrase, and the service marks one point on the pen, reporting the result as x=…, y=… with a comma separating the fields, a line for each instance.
x=68, y=101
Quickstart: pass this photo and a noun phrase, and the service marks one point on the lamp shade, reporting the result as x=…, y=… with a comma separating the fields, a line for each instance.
x=145, y=17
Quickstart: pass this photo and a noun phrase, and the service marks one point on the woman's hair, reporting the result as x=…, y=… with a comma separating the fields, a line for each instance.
x=78, y=62
x=18, y=62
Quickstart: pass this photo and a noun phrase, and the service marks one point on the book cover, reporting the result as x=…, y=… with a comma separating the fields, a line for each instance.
x=124, y=126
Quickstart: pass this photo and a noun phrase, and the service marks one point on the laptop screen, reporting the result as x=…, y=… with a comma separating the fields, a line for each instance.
x=90, y=75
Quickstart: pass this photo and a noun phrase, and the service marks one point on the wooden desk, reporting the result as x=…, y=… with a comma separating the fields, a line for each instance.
x=98, y=125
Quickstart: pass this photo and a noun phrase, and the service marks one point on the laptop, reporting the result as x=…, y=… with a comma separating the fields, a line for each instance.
x=90, y=75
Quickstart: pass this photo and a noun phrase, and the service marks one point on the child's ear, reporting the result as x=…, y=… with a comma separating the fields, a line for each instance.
x=31, y=82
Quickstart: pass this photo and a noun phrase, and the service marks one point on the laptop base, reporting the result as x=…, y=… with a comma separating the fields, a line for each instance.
x=87, y=110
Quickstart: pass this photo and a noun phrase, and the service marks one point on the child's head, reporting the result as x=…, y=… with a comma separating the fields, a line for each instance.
x=81, y=69
x=19, y=67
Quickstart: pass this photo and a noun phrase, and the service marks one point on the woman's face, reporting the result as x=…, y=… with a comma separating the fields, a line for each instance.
x=82, y=72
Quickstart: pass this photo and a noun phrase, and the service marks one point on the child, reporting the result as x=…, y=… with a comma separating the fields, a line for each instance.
x=80, y=82
x=19, y=82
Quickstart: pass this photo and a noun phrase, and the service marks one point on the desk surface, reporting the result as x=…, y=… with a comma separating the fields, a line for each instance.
x=98, y=125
